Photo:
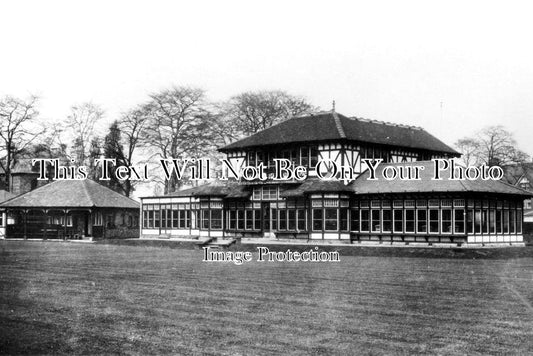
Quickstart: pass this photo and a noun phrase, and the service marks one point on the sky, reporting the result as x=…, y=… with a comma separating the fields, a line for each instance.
x=452, y=67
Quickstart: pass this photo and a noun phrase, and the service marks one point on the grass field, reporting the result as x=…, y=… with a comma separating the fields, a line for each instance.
x=66, y=298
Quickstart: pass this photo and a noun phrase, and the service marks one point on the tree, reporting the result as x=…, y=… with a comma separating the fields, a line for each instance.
x=251, y=112
x=177, y=126
x=18, y=130
x=81, y=121
x=95, y=152
x=493, y=146
x=469, y=148
x=498, y=147
x=120, y=143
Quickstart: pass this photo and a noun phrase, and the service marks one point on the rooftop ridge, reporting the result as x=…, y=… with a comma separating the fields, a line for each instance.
x=311, y=114
x=86, y=191
x=338, y=124
x=386, y=123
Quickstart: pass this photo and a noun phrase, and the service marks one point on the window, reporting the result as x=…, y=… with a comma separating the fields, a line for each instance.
x=470, y=221
x=257, y=219
x=485, y=220
x=492, y=221
x=317, y=219
x=477, y=221
x=163, y=217
x=459, y=216
x=446, y=223
x=156, y=218
x=216, y=219
x=387, y=220
x=249, y=217
x=355, y=220
x=512, y=220
x=344, y=219
x=398, y=220
x=240, y=219
x=301, y=220
x=330, y=221
x=232, y=219
x=282, y=219
x=446, y=203
x=499, y=225
x=175, y=217
x=331, y=202
x=433, y=220
x=519, y=218
x=205, y=219
x=251, y=158
x=150, y=216
x=270, y=193
x=97, y=219
x=365, y=220
x=433, y=203
x=421, y=218
x=145, y=218
x=274, y=219
x=506, y=221
x=376, y=227
x=410, y=220
x=292, y=219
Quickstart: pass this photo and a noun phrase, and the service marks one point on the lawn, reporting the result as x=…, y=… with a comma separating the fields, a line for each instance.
x=67, y=298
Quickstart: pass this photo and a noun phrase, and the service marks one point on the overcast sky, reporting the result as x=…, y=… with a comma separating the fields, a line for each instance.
x=391, y=61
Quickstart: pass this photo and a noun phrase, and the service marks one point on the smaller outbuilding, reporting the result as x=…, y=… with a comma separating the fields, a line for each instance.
x=70, y=209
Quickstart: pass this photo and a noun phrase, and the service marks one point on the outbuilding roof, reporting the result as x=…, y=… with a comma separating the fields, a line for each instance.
x=71, y=193
x=331, y=126
x=426, y=184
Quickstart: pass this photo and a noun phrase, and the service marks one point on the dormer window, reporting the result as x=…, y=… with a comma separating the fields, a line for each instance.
x=251, y=158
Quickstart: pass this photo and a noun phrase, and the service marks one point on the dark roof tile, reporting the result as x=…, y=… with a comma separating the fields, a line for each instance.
x=72, y=193
x=332, y=126
x=426, y=184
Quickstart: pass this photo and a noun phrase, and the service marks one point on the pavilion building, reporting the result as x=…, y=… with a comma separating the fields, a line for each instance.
x=69, y=209
x=423, y=211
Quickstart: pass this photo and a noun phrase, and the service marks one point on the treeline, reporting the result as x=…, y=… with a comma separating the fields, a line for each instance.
x=179, y=122
x=491, y=146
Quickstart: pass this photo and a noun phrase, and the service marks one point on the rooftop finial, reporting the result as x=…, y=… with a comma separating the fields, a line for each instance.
x=333, y=106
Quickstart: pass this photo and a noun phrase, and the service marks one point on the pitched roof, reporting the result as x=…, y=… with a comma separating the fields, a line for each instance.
x=315, y=186
x=330, y=126
x=5, y=195
x=514, y=173
x=427, y=185
x=23, y=165
x=229, y=191
x=72, y=193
